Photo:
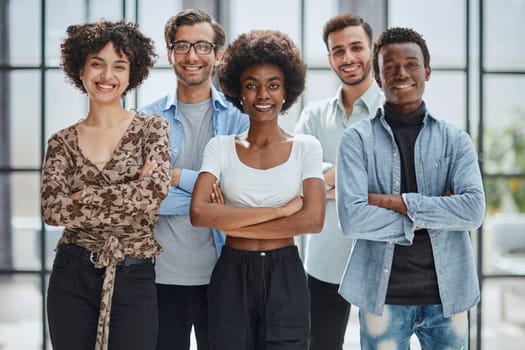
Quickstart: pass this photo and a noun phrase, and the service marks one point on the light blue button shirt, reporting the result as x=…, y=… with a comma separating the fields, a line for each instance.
x=368, y=162
x=227, y=120
x=326, y=253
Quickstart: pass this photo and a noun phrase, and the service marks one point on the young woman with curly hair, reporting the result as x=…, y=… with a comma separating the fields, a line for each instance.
x=103, y=180
x=261, y=188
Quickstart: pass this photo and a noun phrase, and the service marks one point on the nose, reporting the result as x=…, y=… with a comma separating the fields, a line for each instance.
x=262, y=93
x=348, y=56
x=401, y=73
x=106, y=73
x=192, y=53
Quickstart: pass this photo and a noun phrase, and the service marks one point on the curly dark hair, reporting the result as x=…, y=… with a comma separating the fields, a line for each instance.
x=89, y=38
x=262, y=47
x=342, y=21
x=191, y=17
x=400, y=35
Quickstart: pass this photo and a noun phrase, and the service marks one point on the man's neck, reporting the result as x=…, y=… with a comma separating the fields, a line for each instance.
x=352, y=93
x=195, y=93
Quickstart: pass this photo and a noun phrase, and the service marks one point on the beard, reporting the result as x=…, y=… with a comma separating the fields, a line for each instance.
x=367, y=68
x=193, y=79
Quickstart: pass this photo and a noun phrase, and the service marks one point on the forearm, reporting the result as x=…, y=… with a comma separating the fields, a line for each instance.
x=227, y=217
x=388, y=201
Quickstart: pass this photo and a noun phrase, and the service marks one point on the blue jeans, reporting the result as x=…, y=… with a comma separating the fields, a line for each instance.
x=393, y=329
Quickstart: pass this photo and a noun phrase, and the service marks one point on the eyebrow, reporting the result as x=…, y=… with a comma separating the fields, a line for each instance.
x=101, y=59
x=358, y=42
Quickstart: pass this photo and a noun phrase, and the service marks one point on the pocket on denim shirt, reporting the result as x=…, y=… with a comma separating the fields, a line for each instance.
x=437, y=176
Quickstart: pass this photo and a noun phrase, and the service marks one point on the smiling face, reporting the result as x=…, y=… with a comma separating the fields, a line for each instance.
x=105, y=74
x=262, y=91
x=402, y=75
x=350, y=55
x=193, y=69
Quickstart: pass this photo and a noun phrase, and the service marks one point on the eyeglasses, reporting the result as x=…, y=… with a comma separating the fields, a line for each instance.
x=201, y=47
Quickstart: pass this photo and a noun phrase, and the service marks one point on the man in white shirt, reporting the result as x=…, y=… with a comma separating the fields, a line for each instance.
x=348, y=39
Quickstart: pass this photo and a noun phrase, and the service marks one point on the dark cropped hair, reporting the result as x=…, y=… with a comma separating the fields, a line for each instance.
x=400, y=35
x=262, y=47
x=190, y=17
x=342, y=21
x=90, y=38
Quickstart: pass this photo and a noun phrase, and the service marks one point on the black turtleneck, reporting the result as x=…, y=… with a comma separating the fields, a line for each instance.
x=413, y=278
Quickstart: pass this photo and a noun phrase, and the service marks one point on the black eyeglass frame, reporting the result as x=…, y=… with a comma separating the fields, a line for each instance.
x=193, y=44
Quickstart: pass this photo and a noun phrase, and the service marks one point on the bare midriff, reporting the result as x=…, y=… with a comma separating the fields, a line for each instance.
x=251, y=244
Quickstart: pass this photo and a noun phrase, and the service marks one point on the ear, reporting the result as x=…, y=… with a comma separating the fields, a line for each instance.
x=168, y=53
x=378, y=79
x=218, y=57
x=428, y=70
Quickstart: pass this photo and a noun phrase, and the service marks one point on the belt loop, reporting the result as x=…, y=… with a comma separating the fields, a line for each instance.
x=93, y=256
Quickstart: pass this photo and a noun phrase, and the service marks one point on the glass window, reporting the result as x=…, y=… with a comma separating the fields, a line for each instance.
x=445, y=97
x=503, y=34
x=57, y=24
x=317, y=13
x=159, y=83
x=25, y=118
x=445, y=42
x=24, y=27
x=320, y=84
x=65, y=104
x=25, y=223
x=21, y=316
x=504, y=124
x=246, y=15
x=153, y=15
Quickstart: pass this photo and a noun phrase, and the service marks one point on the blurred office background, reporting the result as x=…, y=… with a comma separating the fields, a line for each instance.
x=477, y=83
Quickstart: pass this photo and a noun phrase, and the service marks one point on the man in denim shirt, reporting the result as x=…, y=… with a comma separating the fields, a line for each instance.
x=196, y=112
x=409, y=190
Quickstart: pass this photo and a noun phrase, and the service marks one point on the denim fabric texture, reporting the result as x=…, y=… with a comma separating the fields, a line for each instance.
x=368, y=162
x=227, y=120
x=394, y=328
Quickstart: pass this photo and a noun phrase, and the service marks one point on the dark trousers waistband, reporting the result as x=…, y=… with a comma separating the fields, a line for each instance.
x=92, y=257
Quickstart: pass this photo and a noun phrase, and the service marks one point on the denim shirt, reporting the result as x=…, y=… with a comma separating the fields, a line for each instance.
x=227, y=120
x=368, y=162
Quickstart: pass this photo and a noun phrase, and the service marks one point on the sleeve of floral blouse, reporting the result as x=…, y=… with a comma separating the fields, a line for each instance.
x=118, y=204
x=142, y=195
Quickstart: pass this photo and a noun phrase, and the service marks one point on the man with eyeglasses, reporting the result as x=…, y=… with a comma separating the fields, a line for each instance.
x=196, y=111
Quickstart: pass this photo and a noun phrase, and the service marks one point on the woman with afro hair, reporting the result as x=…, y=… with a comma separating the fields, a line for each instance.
x=261, y=188
x=103, y=180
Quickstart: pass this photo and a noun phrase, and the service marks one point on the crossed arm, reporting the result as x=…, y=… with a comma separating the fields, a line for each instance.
x=301, y=215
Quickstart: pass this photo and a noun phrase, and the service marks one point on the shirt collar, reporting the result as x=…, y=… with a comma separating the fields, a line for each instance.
x=218, y=100
x=369, y=98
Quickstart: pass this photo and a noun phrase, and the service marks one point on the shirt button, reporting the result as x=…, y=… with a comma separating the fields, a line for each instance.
x=175, y=149
x=386, y=270
x=395, y=154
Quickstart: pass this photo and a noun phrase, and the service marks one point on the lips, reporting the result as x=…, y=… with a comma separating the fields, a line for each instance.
x=263, y=107
x=105, y=87
x=403, y=86
x=350, y=68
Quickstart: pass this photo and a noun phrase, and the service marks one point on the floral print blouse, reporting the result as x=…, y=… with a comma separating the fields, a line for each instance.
x=116, y=212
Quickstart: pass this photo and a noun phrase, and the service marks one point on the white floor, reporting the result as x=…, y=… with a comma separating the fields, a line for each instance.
x=503, y=329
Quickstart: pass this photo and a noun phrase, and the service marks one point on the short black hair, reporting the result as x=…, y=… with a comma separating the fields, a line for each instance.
x=400, y=35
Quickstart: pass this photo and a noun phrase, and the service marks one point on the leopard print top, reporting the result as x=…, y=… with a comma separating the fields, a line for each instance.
x=116, y=212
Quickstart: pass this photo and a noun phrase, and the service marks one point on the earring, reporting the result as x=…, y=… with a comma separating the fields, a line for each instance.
x=284, y=101
x=241, y=102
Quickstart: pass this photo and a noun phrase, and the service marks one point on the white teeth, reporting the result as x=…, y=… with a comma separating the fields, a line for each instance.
x=402, y=86
x=192, y=68
x=105, y=86
x=350, y=69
